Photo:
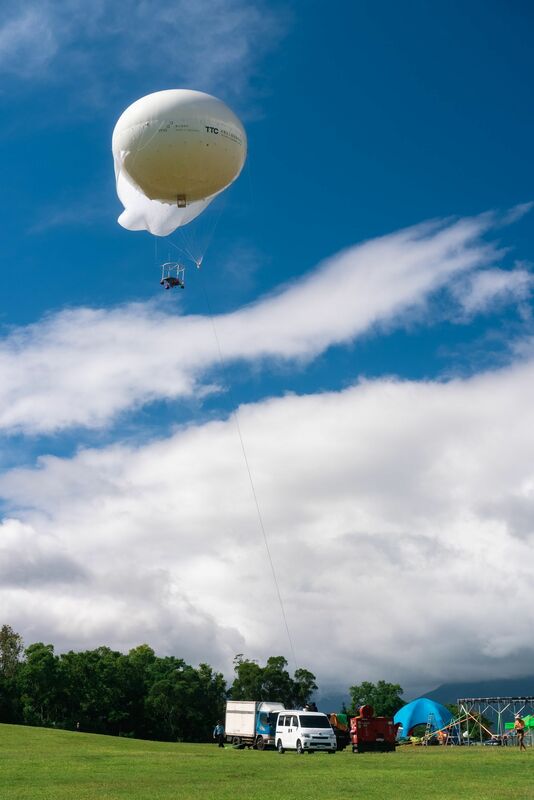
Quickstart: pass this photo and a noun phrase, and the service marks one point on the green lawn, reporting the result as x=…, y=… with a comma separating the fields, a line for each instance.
x=37, y=764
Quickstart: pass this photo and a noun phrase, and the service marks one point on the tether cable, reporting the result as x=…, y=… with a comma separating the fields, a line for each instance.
x=235, y=415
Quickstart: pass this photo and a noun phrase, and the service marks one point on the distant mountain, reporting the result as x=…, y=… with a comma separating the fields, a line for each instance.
x=510, y=687
x=332, y=701
x=446, y=693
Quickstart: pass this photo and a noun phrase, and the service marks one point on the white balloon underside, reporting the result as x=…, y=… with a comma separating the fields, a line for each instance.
x=143, y=214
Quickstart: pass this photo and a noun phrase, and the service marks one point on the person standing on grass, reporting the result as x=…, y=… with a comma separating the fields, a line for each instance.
x=218, y=733
x=519, y=727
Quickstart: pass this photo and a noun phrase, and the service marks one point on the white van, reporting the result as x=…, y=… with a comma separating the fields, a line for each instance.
x=305, y=732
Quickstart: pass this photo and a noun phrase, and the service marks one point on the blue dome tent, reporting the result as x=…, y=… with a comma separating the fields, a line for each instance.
x=421, y=712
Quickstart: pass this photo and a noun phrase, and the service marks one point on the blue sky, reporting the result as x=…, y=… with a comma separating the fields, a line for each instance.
x=382, y=367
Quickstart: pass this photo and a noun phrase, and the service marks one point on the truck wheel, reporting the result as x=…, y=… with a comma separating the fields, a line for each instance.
x=279, y=746
x=300, y=749
x=260, y=743
x=236, y=741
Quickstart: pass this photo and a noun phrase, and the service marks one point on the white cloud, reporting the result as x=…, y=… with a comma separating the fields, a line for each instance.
x=72, y=214
x=211, y=44
x=517, y=212
x=84, y=367
x=27, y=561
x=483, y=290
x=400, y=516
x=28, y=41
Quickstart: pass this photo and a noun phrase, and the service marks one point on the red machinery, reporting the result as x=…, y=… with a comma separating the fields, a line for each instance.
x=370, y=733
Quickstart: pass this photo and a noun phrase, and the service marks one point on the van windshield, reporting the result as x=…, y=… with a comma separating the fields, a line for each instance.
x=309, y=721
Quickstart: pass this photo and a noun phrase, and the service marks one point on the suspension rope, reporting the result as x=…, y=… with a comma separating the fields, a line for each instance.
x=184, y=250
x=192, y=250
x=197, y=236
x=235, y=415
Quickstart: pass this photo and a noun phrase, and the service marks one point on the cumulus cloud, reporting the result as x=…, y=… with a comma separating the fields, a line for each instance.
x=28, y=561
x=84, y=366
x=211, y=44
x=400, y=517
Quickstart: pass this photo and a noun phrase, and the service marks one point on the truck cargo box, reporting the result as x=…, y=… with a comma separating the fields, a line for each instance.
x=250, y=723
x=240, y=719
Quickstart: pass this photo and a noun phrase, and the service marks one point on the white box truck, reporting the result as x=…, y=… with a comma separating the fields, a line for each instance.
x=250, y=723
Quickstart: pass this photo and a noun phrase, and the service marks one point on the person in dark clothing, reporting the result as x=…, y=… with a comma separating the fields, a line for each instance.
x=218, y=733
x=519, y=726
x=170, y=282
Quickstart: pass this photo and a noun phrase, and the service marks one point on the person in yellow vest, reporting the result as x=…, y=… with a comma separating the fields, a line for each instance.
x=519, y=727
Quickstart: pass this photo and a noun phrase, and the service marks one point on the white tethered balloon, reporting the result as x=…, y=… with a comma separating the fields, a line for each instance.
x=174, y=151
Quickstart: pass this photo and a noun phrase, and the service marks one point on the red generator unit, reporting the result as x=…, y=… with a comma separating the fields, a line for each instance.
x=372, y=734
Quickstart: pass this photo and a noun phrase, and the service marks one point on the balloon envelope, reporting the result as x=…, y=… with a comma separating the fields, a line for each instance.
x=174, y=151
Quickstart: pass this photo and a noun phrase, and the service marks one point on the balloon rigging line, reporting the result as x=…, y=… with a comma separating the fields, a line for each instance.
x=235, y=415
x=183, y=250
x=200, y=250
x=149, y=140
x=203, y=238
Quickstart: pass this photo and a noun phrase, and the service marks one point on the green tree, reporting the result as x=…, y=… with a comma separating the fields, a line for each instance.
x=183, y=702
x=304, y=686
x=40, y=686
x=277, y=684
x=271, y=682
x=384, y=697
x=95, y=685
x=212, y=700
x=135, y=677
x=247, y=683
x=167, y=703
x=11, y=649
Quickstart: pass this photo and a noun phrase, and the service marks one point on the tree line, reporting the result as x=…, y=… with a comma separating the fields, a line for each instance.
x=143, y=695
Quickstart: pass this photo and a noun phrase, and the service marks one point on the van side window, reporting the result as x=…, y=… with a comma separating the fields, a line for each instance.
x=294, y=722
x=282, y=721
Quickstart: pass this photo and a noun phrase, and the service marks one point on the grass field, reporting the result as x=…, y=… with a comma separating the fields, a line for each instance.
x=37, y=764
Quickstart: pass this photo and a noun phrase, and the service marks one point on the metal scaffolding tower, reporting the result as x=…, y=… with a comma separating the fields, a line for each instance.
x=497, y=709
